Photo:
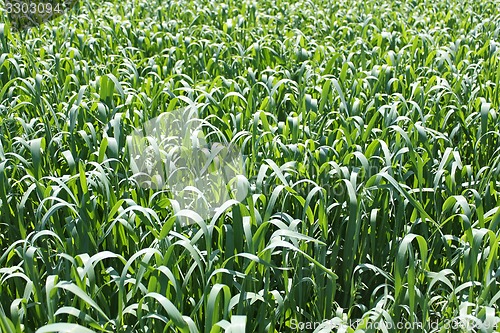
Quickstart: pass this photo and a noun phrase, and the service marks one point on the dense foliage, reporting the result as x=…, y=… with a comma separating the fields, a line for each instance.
x=370, y=131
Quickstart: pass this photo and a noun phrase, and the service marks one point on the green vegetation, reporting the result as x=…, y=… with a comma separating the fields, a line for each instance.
x=371, y=136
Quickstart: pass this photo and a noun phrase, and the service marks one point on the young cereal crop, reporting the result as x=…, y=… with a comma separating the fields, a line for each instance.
x=368, y=199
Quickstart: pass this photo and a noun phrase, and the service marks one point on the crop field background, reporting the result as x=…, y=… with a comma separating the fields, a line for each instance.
x=370, y=137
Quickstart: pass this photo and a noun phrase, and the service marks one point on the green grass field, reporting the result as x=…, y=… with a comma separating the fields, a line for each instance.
x=370, y=136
